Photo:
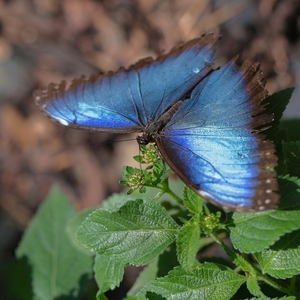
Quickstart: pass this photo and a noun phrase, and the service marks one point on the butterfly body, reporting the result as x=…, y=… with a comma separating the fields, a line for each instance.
x=203, y=120
x=153, y=129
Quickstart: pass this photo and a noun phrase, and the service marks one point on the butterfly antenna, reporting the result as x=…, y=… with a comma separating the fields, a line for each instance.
x=119, y=141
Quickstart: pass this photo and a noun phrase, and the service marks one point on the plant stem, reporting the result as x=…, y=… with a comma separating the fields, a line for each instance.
x=158, y=195
x=166, y=189
x=237, y=259
x=273, y=283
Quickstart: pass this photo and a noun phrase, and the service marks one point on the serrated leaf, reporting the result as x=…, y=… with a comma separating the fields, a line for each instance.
x=187, y=243
x=73, y=225
x=207, y=281
x=138, y=158
x=253, y=232
x=112, y=203
x=267, y=298
x=115, y=201
x=254, y=288
x=108, y=273
x=282, y=259
x=276, y=104
x=291, y=152
x=134, y=234
x=58, y=268
x=192, y=201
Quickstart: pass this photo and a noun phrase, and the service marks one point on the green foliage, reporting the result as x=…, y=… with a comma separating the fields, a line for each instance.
x=252, y=232
x=58, y=269
x=291, y=151
x=135, y=234
x=168, y=232
x=207, y=280
x=108, y=272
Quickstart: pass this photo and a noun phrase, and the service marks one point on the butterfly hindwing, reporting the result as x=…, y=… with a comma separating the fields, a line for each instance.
x=212, y=145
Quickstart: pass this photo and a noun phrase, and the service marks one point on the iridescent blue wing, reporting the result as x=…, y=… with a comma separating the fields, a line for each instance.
x=212, y=145
x=127, y=100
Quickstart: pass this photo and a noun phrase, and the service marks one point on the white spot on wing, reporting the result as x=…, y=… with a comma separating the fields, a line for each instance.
x=61, y=121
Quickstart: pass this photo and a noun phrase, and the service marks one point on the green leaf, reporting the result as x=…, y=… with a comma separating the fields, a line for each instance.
x=101, y=296
x=134, y=234
x=112, y=203
x=15, y=277
x=253, y=232
x=130, y=298
x=268, y=298
x=192, y=201
x=58, y=268
x=291, y=152
x=187, y=244
x=73, y=225
x=291, y=129
x=254, y=288
x=282, y=259
x=207, y=281
x=276, y=104
x=108, y=273
x=115, y=201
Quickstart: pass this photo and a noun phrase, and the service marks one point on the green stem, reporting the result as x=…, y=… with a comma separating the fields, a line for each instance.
x=172, y=194
x=273, y=283
x=158, y=195
x=166, y=189
x=237, y=259
x=292, y=286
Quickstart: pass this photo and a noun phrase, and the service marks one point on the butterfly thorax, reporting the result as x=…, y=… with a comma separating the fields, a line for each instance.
x=154, y=128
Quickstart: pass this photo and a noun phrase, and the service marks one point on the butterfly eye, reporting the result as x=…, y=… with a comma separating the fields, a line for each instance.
x=142, y=140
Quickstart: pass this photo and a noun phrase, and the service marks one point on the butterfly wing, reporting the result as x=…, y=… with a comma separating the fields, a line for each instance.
x=212, y=145
x=127, y=100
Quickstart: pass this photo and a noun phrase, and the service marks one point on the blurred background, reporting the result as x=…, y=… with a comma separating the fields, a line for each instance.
x=43, y=41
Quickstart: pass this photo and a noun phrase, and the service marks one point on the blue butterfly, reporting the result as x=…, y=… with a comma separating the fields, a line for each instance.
x=202, y=120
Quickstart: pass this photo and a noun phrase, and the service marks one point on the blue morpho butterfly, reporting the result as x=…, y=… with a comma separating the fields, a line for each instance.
x=201, y=119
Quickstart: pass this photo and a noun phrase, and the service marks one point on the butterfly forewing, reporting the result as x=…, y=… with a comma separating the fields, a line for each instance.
x=127, y=100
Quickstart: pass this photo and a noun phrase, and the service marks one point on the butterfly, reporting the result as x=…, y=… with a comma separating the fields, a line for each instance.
x=202, y=119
